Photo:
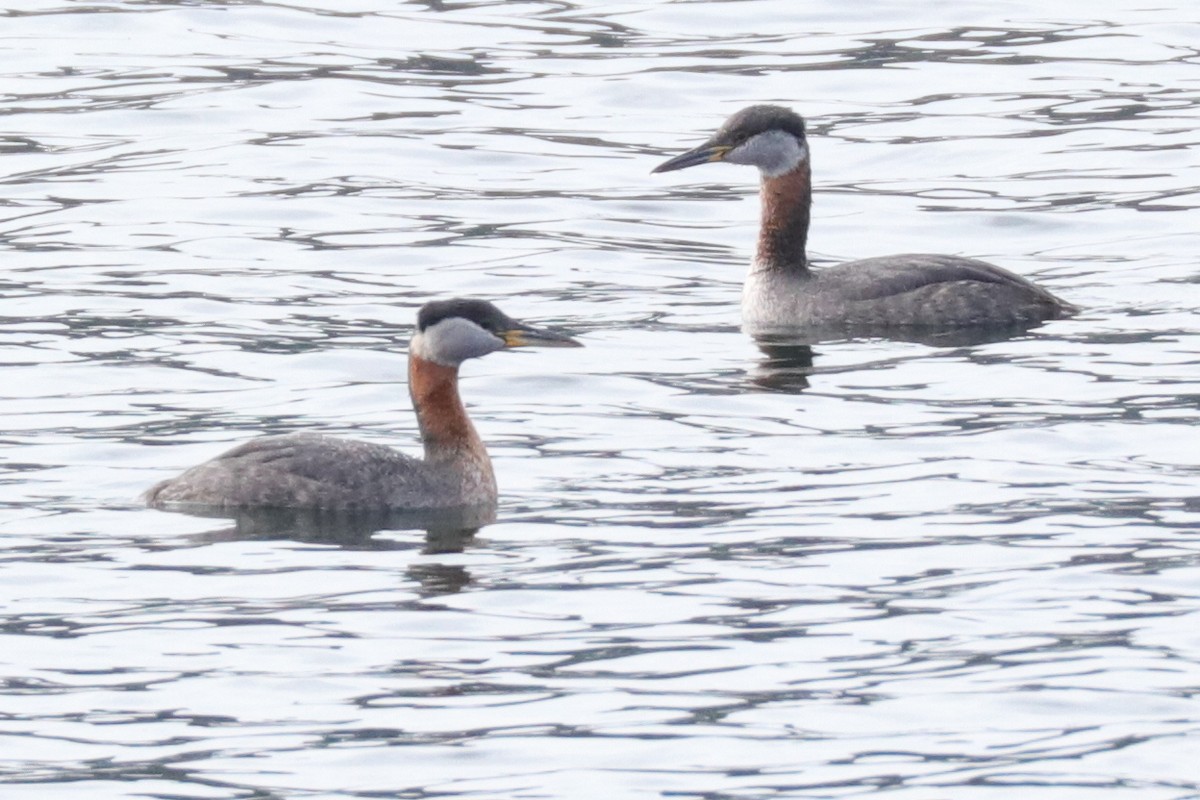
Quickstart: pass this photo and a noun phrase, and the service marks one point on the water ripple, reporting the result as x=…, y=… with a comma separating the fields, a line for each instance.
x=721, y=567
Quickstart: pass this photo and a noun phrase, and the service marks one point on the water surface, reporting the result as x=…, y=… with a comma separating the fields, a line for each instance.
x=846, y=569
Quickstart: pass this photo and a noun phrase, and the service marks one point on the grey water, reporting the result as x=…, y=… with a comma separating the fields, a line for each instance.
x=719, y=568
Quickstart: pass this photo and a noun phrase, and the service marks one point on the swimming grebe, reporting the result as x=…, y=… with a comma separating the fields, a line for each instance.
x=308, y=470
x=874, y=294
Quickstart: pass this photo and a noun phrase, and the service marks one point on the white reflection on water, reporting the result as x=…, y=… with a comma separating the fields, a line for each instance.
x=808, y=572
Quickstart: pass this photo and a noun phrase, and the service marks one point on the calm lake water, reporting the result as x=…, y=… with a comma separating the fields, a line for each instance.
x=718, y=570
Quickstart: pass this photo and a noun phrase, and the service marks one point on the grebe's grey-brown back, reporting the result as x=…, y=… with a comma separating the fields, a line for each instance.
x=888, y=292
x=321, y=472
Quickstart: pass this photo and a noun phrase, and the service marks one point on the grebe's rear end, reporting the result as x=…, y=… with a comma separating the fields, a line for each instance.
x=912, y=291
x=321, y=472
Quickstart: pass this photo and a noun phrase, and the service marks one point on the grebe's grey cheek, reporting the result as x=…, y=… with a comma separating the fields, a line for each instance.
x=452, y=341
x=774, y=152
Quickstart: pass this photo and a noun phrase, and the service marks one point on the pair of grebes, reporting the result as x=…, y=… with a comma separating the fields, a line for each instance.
x=890, y=293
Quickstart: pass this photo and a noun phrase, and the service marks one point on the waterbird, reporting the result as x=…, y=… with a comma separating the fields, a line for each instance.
x=872, y=295
x=314, y=471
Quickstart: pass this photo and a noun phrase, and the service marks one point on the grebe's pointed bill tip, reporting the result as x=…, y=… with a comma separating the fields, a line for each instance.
x=528, y=336
x=701, y=155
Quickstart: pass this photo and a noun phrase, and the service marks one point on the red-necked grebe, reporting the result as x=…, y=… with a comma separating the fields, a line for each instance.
x=313, y=471
x=900, y=291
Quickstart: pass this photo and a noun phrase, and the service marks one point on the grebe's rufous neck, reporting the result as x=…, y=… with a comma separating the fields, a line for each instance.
x=872, y=295
x=320, y=472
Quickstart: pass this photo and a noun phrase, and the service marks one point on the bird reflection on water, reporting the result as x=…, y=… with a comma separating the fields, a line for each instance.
x=446, y=530
x=788, y=363
x=790, y=357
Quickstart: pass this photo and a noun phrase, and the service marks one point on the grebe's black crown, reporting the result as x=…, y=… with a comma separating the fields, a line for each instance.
x=753, y=120
x=481, y=312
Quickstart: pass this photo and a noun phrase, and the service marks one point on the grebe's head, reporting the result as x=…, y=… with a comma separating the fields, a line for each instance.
x=451, y=331
x=768, y=137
